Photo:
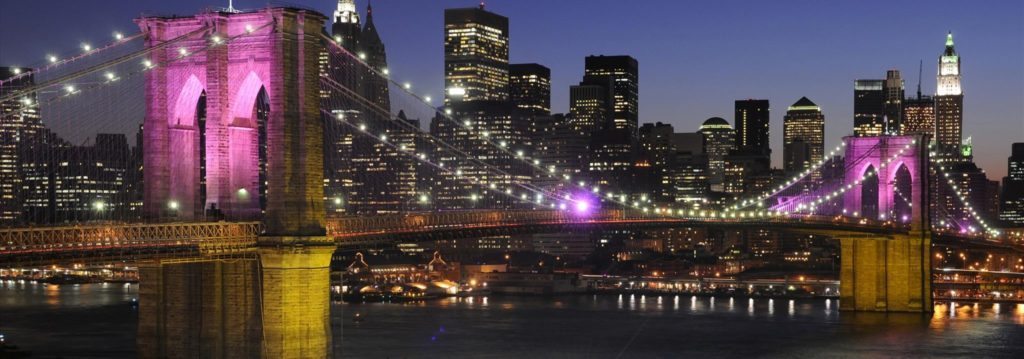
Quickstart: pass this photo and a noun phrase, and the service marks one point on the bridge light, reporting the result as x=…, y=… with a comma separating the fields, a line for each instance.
x=503, y=144
x=70, y=89
x=474, y=197
x=407, y=85
x=173, y=205
x=182, y=51
x=52, y=58
x=249, y=28
x=26, y=101
x=447, y=111
x=362, y=127
x=118, y=36
x=385, y=71
x=99, y=205
x=147, y=64
x=362, y=56
x=519, y=153
x=423, y=198
x=536, y=162
x=337, y=201
x=86, y=47
x=426, y=98
x=337, y=39
x=383, y=137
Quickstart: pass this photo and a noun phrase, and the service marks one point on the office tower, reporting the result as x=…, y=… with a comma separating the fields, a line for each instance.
x=868, y=107
x=558, y=143
x=919, y=116
x=656, y=149
x=803, y=136
x=530, y=88
x=752, y=118
x=949, y=101
x=893, y=107
x=1012, y=197
x=20, y=125
x=620, y=74
x=491, y=133
x=719, y=140
x=687, y=179
x=611, y=159
x=475, y=55
x=588, y=107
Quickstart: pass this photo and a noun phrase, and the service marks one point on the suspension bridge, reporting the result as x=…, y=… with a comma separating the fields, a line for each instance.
x=253, y=130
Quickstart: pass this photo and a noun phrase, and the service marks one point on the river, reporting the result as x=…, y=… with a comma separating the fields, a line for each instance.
x=99, y=320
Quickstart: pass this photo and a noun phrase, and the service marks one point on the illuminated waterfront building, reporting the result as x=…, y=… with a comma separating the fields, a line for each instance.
x=19, y=124
x=803, y=136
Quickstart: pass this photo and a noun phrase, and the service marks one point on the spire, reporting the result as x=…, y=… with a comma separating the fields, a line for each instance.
x=949, y=39
x=346, y=12
x=369, y=13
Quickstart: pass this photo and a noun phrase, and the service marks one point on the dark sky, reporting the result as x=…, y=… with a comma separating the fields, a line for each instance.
x=696, y=57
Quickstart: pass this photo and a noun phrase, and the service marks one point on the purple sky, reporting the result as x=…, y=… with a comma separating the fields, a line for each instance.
x=696, y=57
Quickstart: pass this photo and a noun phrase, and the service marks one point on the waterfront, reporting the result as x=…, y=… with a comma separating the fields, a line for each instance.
x=97, y=320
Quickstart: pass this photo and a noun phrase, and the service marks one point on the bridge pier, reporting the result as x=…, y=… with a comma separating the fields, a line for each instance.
x=296, y=300
x=886, y=275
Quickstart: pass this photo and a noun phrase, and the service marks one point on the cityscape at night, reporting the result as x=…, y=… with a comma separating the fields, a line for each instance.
x=453, y=178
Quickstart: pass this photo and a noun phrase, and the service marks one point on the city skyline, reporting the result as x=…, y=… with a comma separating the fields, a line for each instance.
x=716, y=74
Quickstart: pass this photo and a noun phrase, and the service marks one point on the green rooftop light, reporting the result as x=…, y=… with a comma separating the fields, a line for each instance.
x=949, y=39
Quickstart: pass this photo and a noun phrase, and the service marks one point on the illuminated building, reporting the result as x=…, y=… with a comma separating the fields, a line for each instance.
x=620, y=74
x=588, y=107
x=687, y=179
x=752, y=119
x=949, y=101
x=656, y=149
x=530, y=88
x=475, y=56
x=1012, y=197
x=893, y=106
x=719, y=139
x=559, y=144
x=919, y=116
x=611, y=159
x=803, y=136
x=20, y=125
x=868, y=107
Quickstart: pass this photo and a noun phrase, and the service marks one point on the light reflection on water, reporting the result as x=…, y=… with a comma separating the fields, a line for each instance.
x=96, y=317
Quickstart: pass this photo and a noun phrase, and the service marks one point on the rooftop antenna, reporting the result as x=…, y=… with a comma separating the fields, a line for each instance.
x=919, y=65
x=231, y=6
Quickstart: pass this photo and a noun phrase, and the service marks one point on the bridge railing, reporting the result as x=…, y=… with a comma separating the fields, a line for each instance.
x=207, y=237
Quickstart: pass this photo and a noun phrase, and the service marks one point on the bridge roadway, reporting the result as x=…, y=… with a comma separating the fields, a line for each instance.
x=112, y=242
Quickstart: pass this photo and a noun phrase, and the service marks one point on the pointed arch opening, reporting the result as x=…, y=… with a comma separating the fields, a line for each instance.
x=869, y=193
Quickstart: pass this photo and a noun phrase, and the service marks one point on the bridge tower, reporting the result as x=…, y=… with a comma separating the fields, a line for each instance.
x=887, y=273
x=236, y=58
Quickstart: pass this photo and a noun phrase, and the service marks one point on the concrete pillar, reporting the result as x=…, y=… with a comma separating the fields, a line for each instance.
x=888, y=275
x=296, y=301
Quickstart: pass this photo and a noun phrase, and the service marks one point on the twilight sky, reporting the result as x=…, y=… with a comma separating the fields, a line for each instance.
x=696, y=57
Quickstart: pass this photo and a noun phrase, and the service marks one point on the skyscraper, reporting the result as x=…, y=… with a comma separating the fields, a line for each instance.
x=1012, y=197
x=558, y=143
x=588, y=107
x=803, y=136
x=530, y=88
x=19, y=126
x=949, y=101
x=475, y=55
x=752, y=121
x=621, y=75
x=719, y=139
x=893, y=106
x=919, y=116
x=868, y=107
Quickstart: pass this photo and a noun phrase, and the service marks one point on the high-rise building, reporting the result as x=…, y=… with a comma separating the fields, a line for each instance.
x=475, y=55
x=893, y=107
x=719, y=140
x=621, y=75
x=919, y=116
x=1012, y=197
x=530, y=88
x=868, y=107
x=752, y=119
x=803, y=136
x=656, y=151
x=611, y=159
x=19, y=125
x=559, y=144
x=949, y=101
x=686, y=179
x=588, y=107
